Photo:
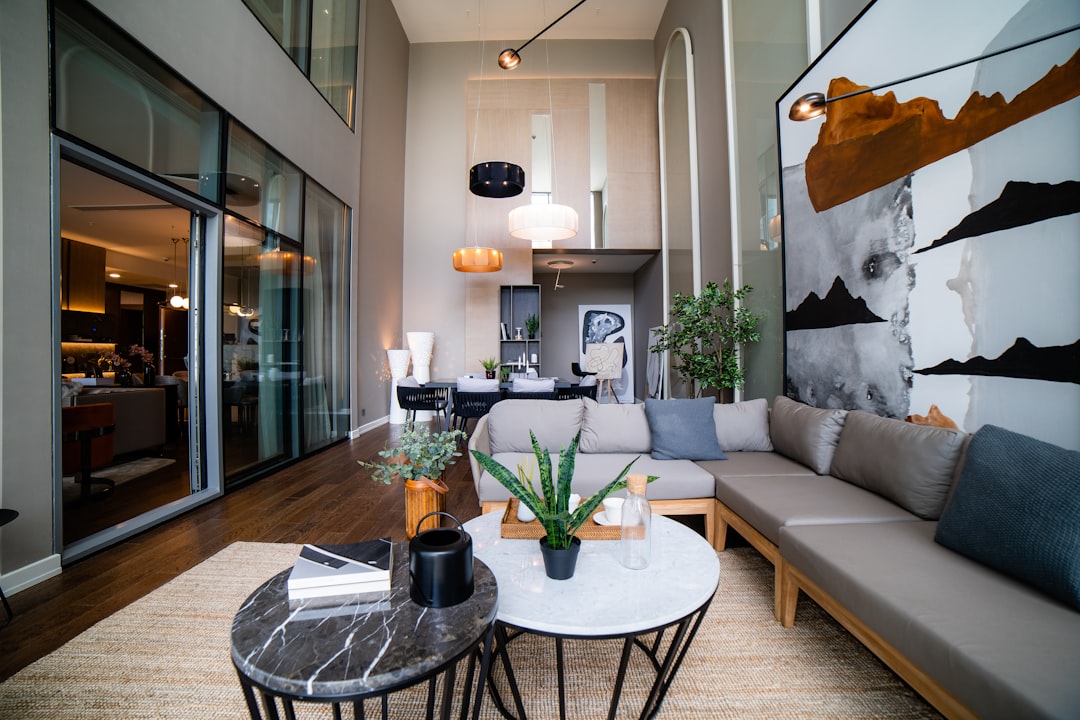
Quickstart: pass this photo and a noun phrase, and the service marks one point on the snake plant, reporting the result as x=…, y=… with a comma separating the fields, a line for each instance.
x=552, y=505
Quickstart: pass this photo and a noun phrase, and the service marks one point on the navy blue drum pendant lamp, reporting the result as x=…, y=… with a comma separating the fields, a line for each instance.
x=496, y=179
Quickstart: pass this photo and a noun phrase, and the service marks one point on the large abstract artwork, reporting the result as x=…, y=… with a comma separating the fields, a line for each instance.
x=932, y=228
x=609, y=324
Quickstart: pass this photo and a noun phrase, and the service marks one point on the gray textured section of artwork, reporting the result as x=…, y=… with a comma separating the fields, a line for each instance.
x=864, y=244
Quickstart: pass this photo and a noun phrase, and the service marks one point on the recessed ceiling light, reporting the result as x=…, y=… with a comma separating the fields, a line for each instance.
x=560, y=263
x=114, y=275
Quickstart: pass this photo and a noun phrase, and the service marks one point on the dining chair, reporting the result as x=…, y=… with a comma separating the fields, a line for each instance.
x=430, y=399
x=471, y=405
x=527, y=395
x=576, y=391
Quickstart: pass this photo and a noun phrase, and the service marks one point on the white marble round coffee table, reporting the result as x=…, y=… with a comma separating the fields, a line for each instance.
x=603, y=599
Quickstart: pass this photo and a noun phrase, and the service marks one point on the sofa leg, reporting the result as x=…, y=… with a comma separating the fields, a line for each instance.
x=711, y=516
x=787, y=595
x=719, y=539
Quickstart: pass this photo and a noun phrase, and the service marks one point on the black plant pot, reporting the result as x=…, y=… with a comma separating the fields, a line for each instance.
x=559, y=564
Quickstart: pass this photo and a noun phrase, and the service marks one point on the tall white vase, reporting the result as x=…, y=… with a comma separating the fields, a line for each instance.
x=421, y=344
x=399, y=368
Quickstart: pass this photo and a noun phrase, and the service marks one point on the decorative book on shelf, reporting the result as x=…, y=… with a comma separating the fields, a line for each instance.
x=326, y=570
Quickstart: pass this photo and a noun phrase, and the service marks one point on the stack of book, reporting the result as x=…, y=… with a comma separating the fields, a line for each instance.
x=358, y=569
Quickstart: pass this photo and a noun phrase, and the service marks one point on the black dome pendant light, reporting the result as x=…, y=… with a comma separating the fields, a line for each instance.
x=496, y=179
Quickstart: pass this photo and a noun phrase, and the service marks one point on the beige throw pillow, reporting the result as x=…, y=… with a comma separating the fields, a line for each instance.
x=615, y=428
x=743, y=426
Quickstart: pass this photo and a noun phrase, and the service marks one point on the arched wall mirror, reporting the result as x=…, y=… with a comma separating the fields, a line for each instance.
x=679, y=213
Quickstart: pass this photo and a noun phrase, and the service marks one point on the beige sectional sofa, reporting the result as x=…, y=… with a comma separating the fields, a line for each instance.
x=955, y=558
x=612, y=435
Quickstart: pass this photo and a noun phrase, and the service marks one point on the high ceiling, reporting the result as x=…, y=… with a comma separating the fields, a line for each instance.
x=428, y=21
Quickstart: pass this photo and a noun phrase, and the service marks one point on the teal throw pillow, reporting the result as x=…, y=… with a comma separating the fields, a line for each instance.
x=1016, y=508
x=683, y=429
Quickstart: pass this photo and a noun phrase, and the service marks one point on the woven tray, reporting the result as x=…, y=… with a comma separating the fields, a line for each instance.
x=511, y=527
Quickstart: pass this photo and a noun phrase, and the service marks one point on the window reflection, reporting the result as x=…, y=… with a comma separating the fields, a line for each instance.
x=321, y=38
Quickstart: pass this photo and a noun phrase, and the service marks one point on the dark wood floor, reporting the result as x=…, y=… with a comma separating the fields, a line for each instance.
x=327, y=498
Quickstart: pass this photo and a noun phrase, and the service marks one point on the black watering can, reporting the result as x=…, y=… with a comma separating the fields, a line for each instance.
x=440, y=565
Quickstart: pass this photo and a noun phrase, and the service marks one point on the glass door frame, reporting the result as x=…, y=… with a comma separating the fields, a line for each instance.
x=205, y=465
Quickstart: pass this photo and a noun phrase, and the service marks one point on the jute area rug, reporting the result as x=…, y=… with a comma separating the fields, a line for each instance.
x=167, y=656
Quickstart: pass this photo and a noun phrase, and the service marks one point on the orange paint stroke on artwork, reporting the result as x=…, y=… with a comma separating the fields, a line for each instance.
x=869, y=140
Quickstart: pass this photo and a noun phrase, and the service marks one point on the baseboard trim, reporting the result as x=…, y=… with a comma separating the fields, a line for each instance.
x=368, y=427
x=31, y=574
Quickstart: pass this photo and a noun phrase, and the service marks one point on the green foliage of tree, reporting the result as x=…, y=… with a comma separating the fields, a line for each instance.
x=705, y=336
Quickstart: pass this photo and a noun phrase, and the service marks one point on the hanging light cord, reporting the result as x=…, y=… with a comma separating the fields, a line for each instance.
x=555, y=22
x=551, y=116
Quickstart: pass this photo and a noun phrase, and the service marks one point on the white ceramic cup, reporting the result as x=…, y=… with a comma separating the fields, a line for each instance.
x=575, y=500
x=613, y=509
x=524, y=514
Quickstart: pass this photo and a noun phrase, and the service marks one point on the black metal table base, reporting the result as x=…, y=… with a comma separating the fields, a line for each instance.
x=269, y=705
x=665, y=662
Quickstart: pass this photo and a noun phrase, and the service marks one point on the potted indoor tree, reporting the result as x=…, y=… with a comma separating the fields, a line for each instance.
x=532, y=326
x=490, y=365
x=419, y=460
x=706, y=334
x=560, y=545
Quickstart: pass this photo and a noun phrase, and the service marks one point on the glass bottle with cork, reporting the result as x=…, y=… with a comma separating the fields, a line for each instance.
x=635, y=537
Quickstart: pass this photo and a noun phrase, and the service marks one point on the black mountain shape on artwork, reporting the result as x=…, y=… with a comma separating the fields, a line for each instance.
x=1057, y=363
x=836, y=309
x=1020, y=203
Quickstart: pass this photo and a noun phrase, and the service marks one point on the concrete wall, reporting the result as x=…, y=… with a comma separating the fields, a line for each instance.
x=378, y=282
x=26, y=297
x=560, y=332
x=704, y=22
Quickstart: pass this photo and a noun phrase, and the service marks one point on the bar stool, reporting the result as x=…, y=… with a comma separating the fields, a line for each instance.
x=7, y=516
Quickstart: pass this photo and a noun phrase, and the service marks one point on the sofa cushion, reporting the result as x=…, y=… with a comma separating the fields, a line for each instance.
x=554, y=422
x=1016, y=508
x=678, y=479
x=533, y=385
x=477, y=385
x=615, y=427
x=912, y=465
x=769, y=503
x=743, y=425
x=755, y=464
x=805, y=433
x=1001, y=647
x=683, y=429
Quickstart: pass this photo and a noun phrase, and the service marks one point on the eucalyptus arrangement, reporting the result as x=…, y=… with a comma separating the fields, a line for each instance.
x=552, y=505
x=706, y=334
x=420, y=454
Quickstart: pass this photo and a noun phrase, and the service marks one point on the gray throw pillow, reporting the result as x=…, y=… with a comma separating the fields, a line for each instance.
x=683, y=429
x=554, y=423
x=912, y=465
x=743, y=426
x=615, y=428
x=1016, y=508
x=805, y=434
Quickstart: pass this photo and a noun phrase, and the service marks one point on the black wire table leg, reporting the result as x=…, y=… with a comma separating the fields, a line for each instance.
x=501, y=640
x=485, y=670
x=561, y=672
x=624, y=661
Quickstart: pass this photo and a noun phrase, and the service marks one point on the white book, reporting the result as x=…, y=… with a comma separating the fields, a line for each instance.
x=352, y=594
x=364, y=564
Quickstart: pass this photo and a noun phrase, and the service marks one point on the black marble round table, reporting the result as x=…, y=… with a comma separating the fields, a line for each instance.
x=347, y=652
